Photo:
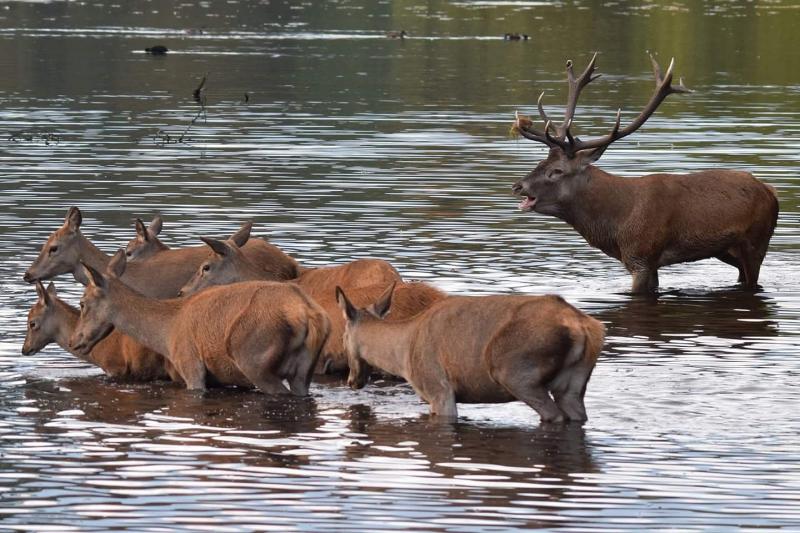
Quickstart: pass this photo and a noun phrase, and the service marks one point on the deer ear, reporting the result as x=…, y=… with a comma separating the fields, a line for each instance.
x=155, y=225
x=51, y=290
x=73, y=219
x=593, y=155
x=141, y=230
x=381, y=307
x=116, y=267
x=220, y=248
x=241, y=237
x=42, y=293
x=95, y=277
x=348, y=309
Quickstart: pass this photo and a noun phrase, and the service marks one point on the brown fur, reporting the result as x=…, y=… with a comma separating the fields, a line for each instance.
x=654, y=220
x=146, y=243
x=51, y=319
x=487, y=349
x=230, y=265
x=663, y=219
x=408, y=300
x=160, y=276
x=254, y=333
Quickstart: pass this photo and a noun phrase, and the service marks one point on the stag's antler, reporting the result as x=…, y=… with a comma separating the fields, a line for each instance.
x=564, y=139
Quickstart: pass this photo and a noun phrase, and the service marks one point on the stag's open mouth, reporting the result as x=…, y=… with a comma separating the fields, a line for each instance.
x=527, y=203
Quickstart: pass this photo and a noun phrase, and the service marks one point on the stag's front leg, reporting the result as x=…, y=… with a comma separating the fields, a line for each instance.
x=645, y=276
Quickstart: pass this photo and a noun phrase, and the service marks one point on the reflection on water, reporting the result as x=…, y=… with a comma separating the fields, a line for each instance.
x=353, y=145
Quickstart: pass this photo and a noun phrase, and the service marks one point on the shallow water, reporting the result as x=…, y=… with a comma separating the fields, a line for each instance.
x=354, y=145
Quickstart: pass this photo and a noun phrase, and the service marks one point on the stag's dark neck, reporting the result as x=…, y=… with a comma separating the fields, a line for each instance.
x=599, y=207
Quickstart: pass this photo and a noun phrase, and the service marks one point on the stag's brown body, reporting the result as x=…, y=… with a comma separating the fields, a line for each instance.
x=230, y=265
x=486, y=349
x=651, y=221
x=253, y=333
x=51, y=319
x=160, y=276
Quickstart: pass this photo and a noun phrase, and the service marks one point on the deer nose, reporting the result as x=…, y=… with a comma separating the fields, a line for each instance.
x=180, y=293
x=516, y=188
x=27, y=277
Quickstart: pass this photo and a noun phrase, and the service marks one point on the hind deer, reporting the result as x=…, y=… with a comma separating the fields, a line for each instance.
x=160, y=276
x=650, y=221
x=256, y=333
x=229, y=265
x=51, y=319
x=480, y=349
x=146, y=243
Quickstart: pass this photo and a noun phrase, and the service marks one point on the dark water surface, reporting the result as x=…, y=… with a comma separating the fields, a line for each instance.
x=355, y=145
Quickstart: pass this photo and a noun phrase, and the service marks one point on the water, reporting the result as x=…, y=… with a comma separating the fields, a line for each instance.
x=354, y=145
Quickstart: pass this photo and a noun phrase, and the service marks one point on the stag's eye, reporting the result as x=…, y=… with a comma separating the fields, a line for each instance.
x=206, y=268
x=555, y=173
x=32, y=324
x=53, y=249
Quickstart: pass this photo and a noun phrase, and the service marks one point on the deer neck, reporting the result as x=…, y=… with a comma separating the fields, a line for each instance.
x=598, y=208
x=67, y=320
x=92, y=256
x=147, y=320
x=386, y=345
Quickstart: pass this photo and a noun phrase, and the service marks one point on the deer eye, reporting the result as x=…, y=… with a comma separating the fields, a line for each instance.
x=33, y=324
x=53, y=249
x=129, y=254
x=206, y=268
x=81, y=304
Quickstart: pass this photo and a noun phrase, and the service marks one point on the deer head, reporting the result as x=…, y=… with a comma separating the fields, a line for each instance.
x=226, y=265
x=42, y=323
x=94, y=324
x=61, y=252
x=146, y=243
x=549, y=187
x=356, y=318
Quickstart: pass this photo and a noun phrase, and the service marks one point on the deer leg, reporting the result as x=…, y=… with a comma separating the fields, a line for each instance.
x=192, y=370
x=528, y=385
x=258, y=368
x=443, y=404
x=569, y=388
x=644, y=280
x=301, y=378
x=730, y=259
x=751, y=264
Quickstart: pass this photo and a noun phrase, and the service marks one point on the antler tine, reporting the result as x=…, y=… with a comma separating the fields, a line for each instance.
x=664, y=88
x=542, y=114
x=524, y=126
x=575, y=87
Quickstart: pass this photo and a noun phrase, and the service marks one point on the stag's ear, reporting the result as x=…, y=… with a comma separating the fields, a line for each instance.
x=116, y=267
x=141, y=230
x=95, y=278
x=42, y=293
x=220, y=248
x=381, y=308
x=155, y=225
x=241, y=237
x=51, y=290
x=348, y=309
x=73, y=219
x=593, y=155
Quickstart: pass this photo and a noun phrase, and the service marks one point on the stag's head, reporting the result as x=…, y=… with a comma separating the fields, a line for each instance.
x=356, y=319
x=549, y=187
x=42, y=322
x=146, y=243
x=60, y=254
x=96, y=308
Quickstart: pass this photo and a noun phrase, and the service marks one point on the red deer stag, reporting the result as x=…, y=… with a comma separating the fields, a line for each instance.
x=480, y=349
x=229, y=265
x=53, y=320
x=650, y=221
x=255, y=333
x=160, y=276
